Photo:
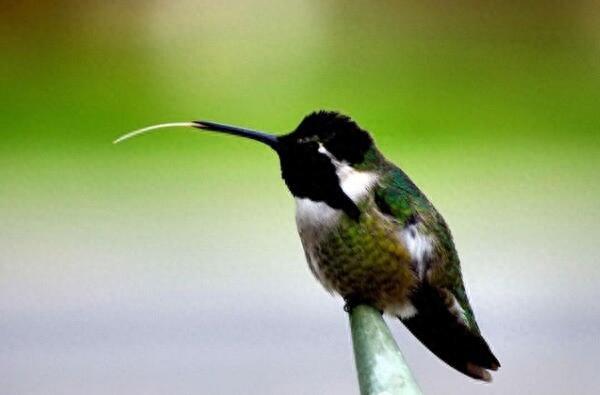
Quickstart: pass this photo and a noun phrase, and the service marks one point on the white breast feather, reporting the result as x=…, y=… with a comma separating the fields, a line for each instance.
x=311, y=214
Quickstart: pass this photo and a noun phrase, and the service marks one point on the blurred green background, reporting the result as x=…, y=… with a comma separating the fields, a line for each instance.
x=171, y=264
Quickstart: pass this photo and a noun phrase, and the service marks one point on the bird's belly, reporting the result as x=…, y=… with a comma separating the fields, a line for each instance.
x=362, y=261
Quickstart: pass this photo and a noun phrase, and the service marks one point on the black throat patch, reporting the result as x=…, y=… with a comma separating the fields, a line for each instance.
x=310, y=174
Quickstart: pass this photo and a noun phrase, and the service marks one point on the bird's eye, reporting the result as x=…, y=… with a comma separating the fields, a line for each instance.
x=305, y=140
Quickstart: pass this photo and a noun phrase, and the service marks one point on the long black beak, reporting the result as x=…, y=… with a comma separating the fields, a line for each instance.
x=268, y=139
x=262, y=137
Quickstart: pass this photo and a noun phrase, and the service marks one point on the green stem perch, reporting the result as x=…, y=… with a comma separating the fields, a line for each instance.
x=379, y=362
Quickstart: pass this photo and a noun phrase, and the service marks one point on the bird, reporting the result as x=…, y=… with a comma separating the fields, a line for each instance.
x=371, y=235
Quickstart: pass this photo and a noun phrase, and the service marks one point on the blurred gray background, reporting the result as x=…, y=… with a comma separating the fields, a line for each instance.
x=170, y=264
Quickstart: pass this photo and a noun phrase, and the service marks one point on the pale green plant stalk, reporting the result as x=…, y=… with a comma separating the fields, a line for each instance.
x=380, y=365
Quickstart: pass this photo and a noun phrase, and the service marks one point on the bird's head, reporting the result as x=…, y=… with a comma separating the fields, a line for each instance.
x=321, y=153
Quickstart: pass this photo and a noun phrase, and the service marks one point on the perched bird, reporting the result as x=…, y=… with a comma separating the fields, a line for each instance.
x=371, y=235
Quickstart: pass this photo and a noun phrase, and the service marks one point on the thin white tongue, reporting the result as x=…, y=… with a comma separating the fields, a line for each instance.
x=151, y=128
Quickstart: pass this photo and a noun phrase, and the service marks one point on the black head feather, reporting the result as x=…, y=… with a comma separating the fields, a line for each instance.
x=339, y=134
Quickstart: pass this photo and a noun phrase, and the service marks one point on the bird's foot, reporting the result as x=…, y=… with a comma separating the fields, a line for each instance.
x=352, y=302
x=349, y=305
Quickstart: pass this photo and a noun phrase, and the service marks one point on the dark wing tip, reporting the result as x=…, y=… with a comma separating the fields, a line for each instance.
x=448, y=338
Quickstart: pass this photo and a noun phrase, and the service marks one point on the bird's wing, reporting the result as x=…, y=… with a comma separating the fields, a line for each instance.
x=427, y=236
x=444, y=320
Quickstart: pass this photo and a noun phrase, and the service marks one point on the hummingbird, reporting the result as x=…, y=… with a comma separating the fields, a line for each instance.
x=371, y=236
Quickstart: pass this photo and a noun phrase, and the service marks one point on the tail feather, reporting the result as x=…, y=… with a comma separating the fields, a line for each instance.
x=449, y=338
